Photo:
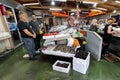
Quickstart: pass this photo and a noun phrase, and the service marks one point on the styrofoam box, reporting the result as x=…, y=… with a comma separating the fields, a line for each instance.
x=61, y=69
x=49, y=51
x=81, y=65
x=49, y=37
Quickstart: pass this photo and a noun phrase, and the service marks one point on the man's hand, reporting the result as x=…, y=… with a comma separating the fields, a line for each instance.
x=34, y=35
x=29, y=33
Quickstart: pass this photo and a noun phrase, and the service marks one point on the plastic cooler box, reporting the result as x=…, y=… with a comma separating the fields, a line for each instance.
x=61, y=69
x=81, y=65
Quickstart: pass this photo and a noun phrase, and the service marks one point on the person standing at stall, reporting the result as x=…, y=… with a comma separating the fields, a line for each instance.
x=108, y=33
x=71, y=21
x=27, y=34
x=94, y=25
x=36, y=27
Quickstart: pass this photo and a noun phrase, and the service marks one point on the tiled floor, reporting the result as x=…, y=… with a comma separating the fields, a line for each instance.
x=14, y=67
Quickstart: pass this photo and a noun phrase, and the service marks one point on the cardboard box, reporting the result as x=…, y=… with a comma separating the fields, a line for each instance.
x=61, y=69
x=81, y=65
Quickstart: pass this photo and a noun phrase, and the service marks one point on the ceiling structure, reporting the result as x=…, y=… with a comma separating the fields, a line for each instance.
x=68, y=5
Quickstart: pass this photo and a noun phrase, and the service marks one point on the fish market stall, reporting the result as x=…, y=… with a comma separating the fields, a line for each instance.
x=59, y=41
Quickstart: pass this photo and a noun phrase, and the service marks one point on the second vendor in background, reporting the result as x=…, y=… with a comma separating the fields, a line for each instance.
x=36, y=27
x=108, y=33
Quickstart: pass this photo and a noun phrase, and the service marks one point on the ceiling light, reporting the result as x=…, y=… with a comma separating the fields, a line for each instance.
x=53, y=3
x=102, y=9
x=74, y=10
x=96, y=10
x=114, y=11
x=87, y=2
x=30, y=4
x=95, y=5
x=72, y=14
x=117, y=1
x=105, y=0
x=56, y=9
x=61, y=0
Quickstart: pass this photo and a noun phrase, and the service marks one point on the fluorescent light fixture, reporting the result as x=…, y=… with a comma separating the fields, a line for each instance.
x=56, y=9
x=72, y=14
x=105, y=0
x=53, y=3
x=96, y=10
x=114, y=11
x=95, y=5
x=61, y=0
x=117, y=1
x=73, y=10
x=87, y=2
x=102, y=9
x=27, y=4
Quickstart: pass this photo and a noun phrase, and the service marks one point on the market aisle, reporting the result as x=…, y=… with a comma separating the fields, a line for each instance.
x=14, y=67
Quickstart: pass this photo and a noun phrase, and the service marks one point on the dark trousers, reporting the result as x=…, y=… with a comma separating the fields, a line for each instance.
x=105, y=48
x=29, y=43
x=37, y=41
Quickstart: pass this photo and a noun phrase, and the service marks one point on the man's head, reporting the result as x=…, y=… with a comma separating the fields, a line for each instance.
x=23, y=16
x=33, y=17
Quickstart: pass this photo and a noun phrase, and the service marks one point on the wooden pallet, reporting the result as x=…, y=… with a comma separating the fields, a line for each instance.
x=112, y=58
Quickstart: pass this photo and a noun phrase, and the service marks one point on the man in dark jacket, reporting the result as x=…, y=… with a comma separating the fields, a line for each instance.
x=27, y=34
x=36, y=27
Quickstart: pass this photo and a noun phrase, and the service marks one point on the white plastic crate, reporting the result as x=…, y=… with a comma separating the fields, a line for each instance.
x=81, y=65
x=49, y=37
x=49, y=51
x=61, y=69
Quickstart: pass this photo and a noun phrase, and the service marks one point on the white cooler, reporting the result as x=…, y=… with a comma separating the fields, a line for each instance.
x=61, y=69
x=81, y=65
